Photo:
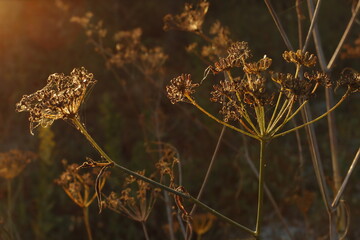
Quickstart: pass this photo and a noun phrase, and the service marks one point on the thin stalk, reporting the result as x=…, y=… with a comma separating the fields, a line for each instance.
x=259, y=120
x=86, y=222
x=339, y=194
x=312, y=24
x=344, y=36
x=145, y=230
x=209, y=168
x=278, y=25
x=286, y=119
x=281, y=113
x=209, y=209
x=244, y=113
x=267, y=190
x=262, y=165
x=316, y=119
x=315, y=157
x=274, y=112
x=299, y=19
x=10, y=208
x=82, y=129
x=218, y=120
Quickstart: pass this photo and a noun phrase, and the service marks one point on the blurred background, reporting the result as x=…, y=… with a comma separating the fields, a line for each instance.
x=128, y=108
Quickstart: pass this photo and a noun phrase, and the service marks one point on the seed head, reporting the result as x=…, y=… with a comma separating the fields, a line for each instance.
x=350, y=79
x=179, y=87
x=59, y=99
x=298, y=57
x=191, y=19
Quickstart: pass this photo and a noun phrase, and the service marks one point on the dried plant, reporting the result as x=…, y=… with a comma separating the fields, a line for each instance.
x=202, y=223
x=191, y=19
x=78, y=187
x=248, y=100
x=13, y=162
x=351, y=52
x=61, y=98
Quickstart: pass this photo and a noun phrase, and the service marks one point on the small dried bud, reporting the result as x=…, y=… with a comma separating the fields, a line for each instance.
x=180, y=87
x=298, y=57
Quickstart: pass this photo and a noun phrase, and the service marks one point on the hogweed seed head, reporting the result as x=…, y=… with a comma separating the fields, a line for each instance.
x=180, y=87
x=59, y=99
x=298, y=57
x=13, y=162
x=191, y=19
x=351, y=79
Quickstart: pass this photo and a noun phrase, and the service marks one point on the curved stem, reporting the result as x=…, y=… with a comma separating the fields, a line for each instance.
x=218, y=120
x=86, y=222
x=316, y=119
x=82, y=129
x=262, y=165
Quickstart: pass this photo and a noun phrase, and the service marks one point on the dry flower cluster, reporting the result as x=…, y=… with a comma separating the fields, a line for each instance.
x=13, y=162
x=61, y=98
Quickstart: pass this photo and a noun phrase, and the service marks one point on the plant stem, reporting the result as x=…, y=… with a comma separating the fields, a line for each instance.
x=342, y=188
x=82, y=129
x=145, y=230
x=278, y=25
x=86, y=222
x=209, y=168
x=10, y=208
x=262, y=166
x=316, y=119
x=218, y=120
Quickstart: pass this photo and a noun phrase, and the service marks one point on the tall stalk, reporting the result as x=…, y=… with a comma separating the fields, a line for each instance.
x=262, y=165
x=86, y=222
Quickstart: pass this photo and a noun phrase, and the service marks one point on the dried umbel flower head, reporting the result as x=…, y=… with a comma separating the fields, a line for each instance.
x=13, y=162
x=191, y=19
x=238, y=52
x=92, y=29
x=180, y=87
x=135, y=201
x=300, y=58
x=59, y=99
x=351, y=79
x=257, y=67
x=293, y=87
x=78, y=185
x=202, y=223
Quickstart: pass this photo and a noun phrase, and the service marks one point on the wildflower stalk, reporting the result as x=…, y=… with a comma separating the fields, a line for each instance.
x=86, y=222
x=82, y=129
x=218, y=120
x=145, y=230
x=259, y=215
x=316, y=119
